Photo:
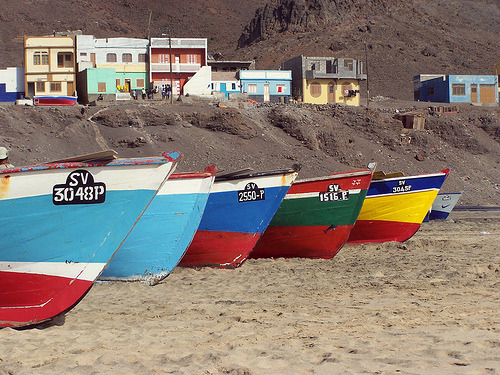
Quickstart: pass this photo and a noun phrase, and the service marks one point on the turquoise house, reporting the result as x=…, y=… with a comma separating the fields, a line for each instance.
x=93, y=82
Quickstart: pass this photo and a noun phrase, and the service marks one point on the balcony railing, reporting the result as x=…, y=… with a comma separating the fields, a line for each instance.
x=176, y=67
x=316, y=74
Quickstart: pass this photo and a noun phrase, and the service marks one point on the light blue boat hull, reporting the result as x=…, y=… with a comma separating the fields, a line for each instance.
x=160, y=238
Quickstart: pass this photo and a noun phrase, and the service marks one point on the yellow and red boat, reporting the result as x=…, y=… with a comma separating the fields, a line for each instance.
x=395, y=206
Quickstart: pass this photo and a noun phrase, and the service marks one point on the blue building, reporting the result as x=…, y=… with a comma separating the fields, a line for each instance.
x=481, y=89
x=266, y=85
x=11, y=84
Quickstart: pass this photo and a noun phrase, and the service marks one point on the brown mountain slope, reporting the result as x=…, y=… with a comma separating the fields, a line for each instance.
x=398, y=38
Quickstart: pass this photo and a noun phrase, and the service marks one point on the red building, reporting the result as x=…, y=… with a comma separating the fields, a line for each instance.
x=173, y=61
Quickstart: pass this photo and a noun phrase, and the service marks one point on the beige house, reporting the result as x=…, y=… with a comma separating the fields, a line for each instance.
x=50, y=65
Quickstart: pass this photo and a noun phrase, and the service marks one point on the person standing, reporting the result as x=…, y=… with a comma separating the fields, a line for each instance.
x=4, y=159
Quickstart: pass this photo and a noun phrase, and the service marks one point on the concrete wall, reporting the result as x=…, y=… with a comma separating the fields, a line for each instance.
x=200, y=83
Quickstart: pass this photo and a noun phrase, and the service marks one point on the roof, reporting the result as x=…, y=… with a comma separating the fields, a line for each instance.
x=224, y=76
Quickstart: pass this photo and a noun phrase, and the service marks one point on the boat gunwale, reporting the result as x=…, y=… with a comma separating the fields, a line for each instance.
x=337, y=175
x=257, y=174
x=425, y=175
x=166, y=158
x=209, y=171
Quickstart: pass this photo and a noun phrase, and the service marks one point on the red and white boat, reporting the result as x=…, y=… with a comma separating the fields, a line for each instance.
x=54, y=100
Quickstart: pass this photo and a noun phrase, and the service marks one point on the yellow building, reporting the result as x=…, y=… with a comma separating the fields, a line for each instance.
x=50, y=66
x=323, y=80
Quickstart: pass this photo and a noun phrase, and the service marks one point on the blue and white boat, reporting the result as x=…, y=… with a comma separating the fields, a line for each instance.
x=162, y=235
x=61, y=223
x=442, y=206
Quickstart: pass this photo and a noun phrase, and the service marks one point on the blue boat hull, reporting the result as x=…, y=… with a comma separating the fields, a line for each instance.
x=60, y=225
x=237, y=213
x=159, y=239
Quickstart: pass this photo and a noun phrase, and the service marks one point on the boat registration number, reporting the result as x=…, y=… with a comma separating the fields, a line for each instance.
x=251, y=193
x=80, y=188
x=402, y=187
x=334, y=193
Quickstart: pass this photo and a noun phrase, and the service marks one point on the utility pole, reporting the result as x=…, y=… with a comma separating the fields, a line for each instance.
x=170, y=60
x=367, y=80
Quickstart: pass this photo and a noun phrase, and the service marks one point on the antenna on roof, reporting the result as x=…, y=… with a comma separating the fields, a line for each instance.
x=149, y=25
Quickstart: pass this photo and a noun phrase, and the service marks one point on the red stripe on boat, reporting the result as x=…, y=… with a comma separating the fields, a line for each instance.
x=219, y=249
x=37, y=297
x=301, y=241
x=382, y=231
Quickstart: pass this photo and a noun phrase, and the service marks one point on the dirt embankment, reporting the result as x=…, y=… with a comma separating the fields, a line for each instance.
x=324, y=139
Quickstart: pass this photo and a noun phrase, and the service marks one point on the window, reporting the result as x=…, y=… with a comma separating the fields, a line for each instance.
x=252, y=89
x=101, y=86
x=315, y=90
x=280, y=88
x=191, y=59
x=139, y=82
x=41, y=58
x=111, y=57
x=127, y=57
x=233, y=86
x=331, y=67
x=55, y=86
x=163, y=58
x=83, y=53
x=346, y=87
x=64, y=60
x=40, y=86
x=458, y=89
x=142, y=57
x=349, y=65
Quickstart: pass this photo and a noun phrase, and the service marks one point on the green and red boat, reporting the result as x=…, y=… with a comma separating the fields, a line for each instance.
x=315, y=217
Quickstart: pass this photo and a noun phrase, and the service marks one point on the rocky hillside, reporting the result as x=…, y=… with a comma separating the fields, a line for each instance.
x=300, y=16
x=398, y=39
x=324, y=139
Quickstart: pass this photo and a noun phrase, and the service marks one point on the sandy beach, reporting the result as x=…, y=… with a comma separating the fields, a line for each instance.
x=430, y=305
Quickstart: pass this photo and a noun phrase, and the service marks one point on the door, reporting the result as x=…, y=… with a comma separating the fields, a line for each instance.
x=177, y=87
x=31, y=90
x=92, y=59
x=128, y=84
x=223, y=89
x=331, y=93
x=267, y=96
x=71, y=89
x=473, y=93
x=487, y=93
